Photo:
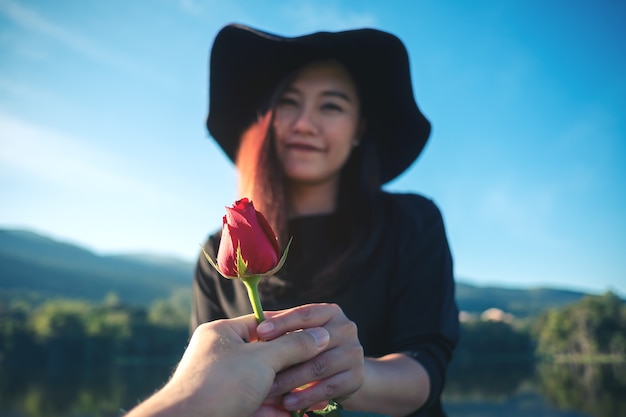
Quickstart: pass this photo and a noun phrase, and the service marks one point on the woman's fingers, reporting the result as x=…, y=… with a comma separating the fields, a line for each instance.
x=293, y=348
x=321, y=392
x=301, y=317
x=338, y=372
x=340, y=360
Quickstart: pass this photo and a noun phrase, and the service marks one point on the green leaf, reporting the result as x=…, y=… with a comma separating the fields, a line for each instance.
x=334, y=409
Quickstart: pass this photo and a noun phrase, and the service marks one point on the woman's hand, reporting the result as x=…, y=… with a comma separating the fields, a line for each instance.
x=336, y=373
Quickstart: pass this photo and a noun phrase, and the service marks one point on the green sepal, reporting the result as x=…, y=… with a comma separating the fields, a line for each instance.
x=282, y=260
x=243, y=266
x=214, y=264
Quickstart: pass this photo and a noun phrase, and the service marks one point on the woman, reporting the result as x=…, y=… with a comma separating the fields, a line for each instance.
x=316, y=124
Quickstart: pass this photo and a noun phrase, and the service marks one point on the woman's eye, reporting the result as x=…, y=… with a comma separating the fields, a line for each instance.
x=287, y=101
x=331, y=107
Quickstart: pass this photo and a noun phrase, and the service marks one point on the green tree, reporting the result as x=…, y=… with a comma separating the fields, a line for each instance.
x=594, y=326
x=17, y=346
x=172, y=312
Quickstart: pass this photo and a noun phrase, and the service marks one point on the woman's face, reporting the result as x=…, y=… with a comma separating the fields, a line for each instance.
x=316, y=123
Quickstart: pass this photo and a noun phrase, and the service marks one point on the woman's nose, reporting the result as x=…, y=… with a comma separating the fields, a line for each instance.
x=305, y=122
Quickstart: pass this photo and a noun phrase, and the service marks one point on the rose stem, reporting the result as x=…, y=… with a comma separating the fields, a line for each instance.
x=252, y=285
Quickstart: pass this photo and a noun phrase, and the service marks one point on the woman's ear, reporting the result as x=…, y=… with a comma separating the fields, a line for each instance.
x=360, y=131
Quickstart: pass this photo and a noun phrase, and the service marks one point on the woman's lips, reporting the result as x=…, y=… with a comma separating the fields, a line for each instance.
x=302, y=147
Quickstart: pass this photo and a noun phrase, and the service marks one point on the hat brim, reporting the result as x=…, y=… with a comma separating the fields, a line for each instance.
x=247, y=64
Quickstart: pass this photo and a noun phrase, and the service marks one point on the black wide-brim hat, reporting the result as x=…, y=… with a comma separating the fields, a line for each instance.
x=247, y=64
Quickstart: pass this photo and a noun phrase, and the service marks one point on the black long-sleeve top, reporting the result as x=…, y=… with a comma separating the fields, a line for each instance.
x=401, y=298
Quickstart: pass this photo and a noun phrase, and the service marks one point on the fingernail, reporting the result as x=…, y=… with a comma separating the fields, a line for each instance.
x=290, y=402
x=320, y=335
x=265, y=327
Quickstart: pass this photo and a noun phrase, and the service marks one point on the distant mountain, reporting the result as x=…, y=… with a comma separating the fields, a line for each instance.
x=30, y=262
x=519, y=302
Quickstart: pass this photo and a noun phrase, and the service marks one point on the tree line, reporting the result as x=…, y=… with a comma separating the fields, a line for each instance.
x=115, y=354
x=59, y=332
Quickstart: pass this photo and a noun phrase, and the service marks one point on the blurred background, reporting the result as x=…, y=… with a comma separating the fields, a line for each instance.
x=109, y=180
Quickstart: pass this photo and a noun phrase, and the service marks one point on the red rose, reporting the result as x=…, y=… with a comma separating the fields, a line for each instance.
x=246, y=229
x=248, y=250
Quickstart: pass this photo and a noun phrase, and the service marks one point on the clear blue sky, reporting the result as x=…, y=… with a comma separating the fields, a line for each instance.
x=102, y=138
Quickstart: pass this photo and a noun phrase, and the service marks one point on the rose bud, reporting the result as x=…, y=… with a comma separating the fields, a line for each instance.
x=246, y=230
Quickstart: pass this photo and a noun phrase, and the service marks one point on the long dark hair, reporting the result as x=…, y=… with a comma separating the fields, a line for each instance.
x=262, y=179
x=359, y=203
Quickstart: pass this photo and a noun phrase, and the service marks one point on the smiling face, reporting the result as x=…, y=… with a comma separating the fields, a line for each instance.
x=316, y=124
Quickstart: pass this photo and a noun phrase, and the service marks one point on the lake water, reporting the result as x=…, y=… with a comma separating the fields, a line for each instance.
x=515, y=389
x=485, y=390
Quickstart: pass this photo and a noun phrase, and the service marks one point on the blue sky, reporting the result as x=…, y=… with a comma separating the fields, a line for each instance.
x=102, y=138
